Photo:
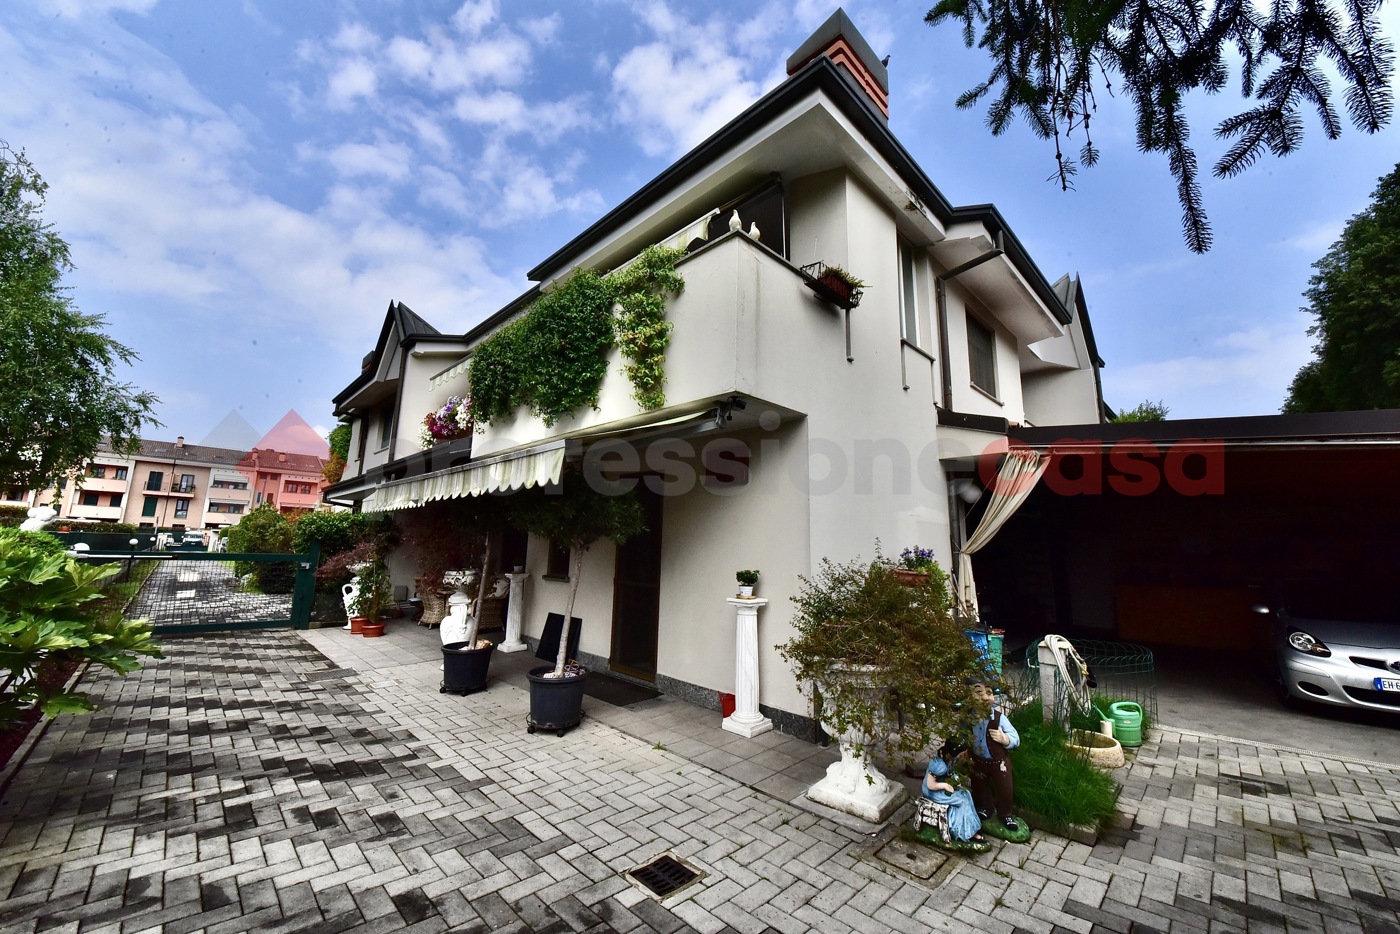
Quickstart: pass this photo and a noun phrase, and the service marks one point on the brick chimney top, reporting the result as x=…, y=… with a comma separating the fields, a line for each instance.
x=180, y=441
x=839, y=40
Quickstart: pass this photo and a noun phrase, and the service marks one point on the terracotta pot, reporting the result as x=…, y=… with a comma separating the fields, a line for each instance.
x=373, y=630
x=838, y=285
x=357, y=624
x=910, y=578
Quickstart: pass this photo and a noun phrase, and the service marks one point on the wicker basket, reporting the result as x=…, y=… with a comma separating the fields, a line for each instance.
x=434, y=608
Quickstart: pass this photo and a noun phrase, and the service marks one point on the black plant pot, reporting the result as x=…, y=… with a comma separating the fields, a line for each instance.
x=555, y=703
x=464, y=669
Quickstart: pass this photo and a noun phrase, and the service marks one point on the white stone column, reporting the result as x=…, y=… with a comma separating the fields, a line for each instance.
x=515, y=614
x=1046, y=663
x=746, y=720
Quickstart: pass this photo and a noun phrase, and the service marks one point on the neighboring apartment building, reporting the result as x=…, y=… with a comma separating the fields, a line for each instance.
x=794, y=428
x=188, y=486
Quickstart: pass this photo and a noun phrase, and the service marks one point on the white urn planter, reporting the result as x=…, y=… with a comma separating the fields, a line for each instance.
x=457, y=625
x=853, y=785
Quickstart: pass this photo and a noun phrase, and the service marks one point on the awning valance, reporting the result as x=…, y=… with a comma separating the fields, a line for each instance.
x=537, y=466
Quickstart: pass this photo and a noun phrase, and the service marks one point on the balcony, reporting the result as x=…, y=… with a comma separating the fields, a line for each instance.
x=171, y=488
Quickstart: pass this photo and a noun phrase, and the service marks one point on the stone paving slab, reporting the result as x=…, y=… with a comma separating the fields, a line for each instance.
x=249, y=783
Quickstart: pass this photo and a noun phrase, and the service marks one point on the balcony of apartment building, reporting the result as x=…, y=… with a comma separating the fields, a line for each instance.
x=97, y=505
x=179, y=485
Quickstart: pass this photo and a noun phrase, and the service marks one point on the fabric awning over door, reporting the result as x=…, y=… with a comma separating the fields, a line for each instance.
x=538, y=466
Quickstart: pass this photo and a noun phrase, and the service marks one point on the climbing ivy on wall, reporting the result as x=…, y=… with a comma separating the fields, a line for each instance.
x=553, y=359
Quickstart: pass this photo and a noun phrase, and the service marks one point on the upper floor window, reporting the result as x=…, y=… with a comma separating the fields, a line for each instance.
x=186, y=483
x=908, y=294
x=97, y=470
x=121, y=473
x=763, y=207
x=155, y=479
x=982, y=356
x=386, y=426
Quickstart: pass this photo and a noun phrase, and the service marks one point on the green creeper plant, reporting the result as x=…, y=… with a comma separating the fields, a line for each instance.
x=554, y=357
x=48, y=615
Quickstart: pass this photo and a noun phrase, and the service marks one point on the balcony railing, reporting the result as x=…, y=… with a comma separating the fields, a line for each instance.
x=173, y=487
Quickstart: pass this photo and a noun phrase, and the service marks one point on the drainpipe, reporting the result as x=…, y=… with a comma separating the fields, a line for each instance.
x=941, y=298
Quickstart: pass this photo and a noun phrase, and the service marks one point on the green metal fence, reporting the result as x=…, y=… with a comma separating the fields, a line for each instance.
x=190, y=592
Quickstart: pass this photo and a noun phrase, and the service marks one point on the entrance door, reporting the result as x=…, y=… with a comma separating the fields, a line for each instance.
x=637, y=595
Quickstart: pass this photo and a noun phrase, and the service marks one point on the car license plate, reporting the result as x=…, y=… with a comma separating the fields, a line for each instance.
x=1388, y=684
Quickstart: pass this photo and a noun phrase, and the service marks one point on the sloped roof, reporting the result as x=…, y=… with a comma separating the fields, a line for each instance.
x=189, y=453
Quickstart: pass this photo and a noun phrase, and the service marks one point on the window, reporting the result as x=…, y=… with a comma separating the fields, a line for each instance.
x=90, y=499
x=148, y=508
x=121, y=473
x=236, y=509
x=116, y=499
x=558, y=563
x=153, y=482
x=908, y=294
x=982, y=356
x=97, y=470
x=182, y=509
x=762, y=207
x=386, y=426
x=186, y=483
x=230, y=484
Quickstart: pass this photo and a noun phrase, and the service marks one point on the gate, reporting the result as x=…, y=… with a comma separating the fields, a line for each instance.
x=189, y=592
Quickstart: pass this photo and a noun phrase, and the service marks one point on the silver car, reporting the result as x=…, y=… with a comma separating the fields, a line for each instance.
x=1338, y=643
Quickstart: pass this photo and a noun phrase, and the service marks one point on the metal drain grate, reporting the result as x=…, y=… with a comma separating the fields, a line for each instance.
x=664, y=875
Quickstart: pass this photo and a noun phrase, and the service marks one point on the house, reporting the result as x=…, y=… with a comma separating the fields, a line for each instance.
x=798, y=423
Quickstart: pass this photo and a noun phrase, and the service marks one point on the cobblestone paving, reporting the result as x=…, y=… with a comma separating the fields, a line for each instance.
x=202, y=591
x=246, y=784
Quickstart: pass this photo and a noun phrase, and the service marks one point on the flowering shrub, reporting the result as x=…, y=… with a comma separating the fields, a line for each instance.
x=916, y=559
x=453, y=420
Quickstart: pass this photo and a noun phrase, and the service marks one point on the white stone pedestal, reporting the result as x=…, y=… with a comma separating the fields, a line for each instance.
x=515, y=615
x=746, y=720
x=856, y=787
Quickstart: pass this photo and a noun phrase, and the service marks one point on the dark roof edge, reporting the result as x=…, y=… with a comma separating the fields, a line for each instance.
x=1321, y=426
x=819, y=74
x=839, y=25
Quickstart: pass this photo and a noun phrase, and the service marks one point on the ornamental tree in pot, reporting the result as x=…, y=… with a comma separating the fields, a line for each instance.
x=440, y=536
x=575, y=516
x=889, y=668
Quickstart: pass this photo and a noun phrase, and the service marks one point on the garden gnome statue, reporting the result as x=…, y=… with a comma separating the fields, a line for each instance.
x=945, y=815
x=39, y=516
x=993, y=784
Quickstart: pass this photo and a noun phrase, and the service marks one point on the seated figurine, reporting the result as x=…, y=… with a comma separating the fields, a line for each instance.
x=947, y=809
x=993, y=784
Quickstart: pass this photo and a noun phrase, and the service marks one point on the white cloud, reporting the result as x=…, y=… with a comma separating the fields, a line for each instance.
x=355, y=37
x=351, y=80
x=1316, y=238
x=474, y=16
x=677, y=92
x=75, y=8
x=1242, y=372
x=523, y=190
x=384, y=159
x=542, y=31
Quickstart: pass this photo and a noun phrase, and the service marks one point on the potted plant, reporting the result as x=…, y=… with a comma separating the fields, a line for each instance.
x=889, y=667
x=373, y=598
x=577, y=516
x=466, y=659
x=914, y=567
x=747, y=580
x=835, y=284
x=450, y=421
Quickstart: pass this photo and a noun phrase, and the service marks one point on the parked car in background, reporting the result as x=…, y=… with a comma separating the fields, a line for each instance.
x=1337, y=641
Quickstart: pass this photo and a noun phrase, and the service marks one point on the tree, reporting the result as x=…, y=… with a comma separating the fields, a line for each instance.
x=59, y=396
x=1050, y=58
x=1146, y=411
x=1355, y=296
x=339, y=441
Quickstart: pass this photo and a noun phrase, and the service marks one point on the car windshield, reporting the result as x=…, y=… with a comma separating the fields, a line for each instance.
x=1361, y=601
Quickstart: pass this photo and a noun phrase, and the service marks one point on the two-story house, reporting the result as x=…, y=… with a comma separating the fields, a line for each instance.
x=794, y=427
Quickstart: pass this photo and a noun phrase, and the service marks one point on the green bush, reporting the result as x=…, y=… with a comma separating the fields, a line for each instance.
x=336, y=531
x=263, y=531
x=50, y=618
x=12, y=516
x=1055, y=782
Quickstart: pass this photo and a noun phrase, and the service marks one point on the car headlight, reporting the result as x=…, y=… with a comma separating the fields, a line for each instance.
x=1306, y=643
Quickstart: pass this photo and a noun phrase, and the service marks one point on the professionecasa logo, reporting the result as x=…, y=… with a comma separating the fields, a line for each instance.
x=1090, y=467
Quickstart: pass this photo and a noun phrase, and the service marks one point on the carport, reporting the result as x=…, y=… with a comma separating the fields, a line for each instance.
x=1164, y=533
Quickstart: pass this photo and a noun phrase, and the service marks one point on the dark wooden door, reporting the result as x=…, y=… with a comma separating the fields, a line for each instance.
x=637, y=595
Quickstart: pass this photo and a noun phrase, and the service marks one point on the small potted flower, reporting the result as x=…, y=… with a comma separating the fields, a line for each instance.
x=835, y=284
x=914, y=566
x=747, y=580
x=453, y=420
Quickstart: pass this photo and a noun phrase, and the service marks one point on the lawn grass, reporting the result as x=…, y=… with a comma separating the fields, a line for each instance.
x=1055, y=782
x=117, y=597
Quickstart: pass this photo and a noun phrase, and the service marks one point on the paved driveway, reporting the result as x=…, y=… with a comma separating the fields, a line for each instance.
x=248, y=784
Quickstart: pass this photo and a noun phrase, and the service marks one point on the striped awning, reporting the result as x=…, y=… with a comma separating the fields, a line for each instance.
x=537, y=466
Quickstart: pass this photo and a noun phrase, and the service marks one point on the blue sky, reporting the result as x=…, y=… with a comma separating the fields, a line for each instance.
x=246, y=184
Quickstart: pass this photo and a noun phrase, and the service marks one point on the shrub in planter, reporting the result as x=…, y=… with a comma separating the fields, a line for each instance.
x=50, y=624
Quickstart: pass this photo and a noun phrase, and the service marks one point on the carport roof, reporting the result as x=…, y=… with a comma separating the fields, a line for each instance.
x=1372, y=426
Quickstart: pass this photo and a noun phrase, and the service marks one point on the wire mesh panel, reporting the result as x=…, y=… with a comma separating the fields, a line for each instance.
x=187, y=592
x=1122, y=671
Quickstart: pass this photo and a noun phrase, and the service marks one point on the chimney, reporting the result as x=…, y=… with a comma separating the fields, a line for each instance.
x=180, y=441
x=839, y=40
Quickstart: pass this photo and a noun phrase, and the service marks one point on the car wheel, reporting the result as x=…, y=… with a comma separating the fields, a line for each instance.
x=1284, y=697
